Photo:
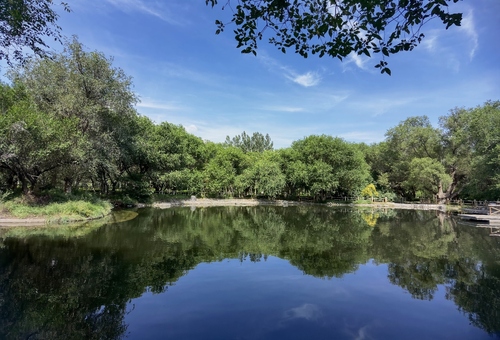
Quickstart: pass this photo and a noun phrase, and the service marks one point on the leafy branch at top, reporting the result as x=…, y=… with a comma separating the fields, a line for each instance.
x=336, y=28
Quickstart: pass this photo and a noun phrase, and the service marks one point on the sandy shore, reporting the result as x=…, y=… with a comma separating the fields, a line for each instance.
x=208, y=202
x=214, y=202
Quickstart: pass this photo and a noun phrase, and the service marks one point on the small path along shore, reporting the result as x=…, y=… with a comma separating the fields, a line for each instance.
x=209, y=202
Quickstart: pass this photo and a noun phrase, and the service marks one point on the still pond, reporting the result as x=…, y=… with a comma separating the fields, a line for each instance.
x=253, y=273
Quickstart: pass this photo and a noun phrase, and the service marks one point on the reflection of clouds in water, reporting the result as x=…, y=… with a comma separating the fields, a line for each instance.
x=361, y=333
x=307, y=312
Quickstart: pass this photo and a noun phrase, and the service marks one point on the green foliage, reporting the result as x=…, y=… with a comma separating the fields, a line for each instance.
x=475, y=134
x=330, y=166
x=27, y=24
x=426, y=175
x=71, y=210
x=90, y=104
x=263, y=177
x=336, y=28
x=255, y=143
x=33, y=143
x=69, y=122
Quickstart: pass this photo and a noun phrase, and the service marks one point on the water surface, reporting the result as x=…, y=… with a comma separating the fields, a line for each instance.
x=254, y=273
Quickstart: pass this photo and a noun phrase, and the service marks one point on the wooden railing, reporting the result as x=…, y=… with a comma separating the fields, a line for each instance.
x=494, y=209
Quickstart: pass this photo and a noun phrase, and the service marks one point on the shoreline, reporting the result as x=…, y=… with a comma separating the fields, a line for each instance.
x=41, y=221
x=223, y=202
x=220, y=202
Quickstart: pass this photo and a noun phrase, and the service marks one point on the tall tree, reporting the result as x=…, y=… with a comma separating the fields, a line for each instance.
x=472, y=138
x=415, y=137
x=336, y=28
x=86, y=87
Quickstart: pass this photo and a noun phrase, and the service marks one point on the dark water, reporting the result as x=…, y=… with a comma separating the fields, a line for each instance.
x=254, y=273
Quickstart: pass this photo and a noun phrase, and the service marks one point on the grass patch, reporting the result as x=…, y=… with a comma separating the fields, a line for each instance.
x=55, y=207
x=71, y=230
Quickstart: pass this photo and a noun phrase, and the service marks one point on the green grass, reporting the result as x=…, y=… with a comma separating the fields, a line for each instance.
x=70, y=230
x=55, y=207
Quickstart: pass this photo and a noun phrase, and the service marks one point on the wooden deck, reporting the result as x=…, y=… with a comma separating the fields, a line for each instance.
x=490, y=219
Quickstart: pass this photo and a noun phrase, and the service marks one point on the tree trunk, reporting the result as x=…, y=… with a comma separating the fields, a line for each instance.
x=24, y=184
x=68, y=185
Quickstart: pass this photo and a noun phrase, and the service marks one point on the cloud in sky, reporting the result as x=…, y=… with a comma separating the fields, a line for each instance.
x=149, y=104
x=358, y=60
x=149, y=8
x=307, y=79
x=469, y=28
x=283, y=108
x=187, y=75
x=191, y=128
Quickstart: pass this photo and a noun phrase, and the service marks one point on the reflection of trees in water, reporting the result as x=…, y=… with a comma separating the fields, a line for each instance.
x=51, y=291
x=439, y=252
x=52, y=287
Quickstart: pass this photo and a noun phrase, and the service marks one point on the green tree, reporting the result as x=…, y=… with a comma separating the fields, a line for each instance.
x=472, y=137
x=414, y=137
x=84, y=86
x=332, y=166
x=26, y=24
x=221, y=171
x=263, y=177
x=428, y=176
x=255, y=143
x=336, y=28
x=32, y=143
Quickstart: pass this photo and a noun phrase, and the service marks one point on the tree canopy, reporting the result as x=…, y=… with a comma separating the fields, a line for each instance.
x=335, y=28
x=257, y=142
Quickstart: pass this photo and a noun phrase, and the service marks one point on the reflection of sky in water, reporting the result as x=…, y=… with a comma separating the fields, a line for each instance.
x=307, y=311
x=273, y=300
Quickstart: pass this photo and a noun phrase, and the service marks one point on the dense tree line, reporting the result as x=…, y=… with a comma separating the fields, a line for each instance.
x=69, y=122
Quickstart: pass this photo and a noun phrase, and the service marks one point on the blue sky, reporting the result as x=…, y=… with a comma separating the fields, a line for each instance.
x=185, y=74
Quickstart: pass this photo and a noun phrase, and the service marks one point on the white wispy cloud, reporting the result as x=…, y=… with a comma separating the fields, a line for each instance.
x=358, y=60
x=378, y=105
x=469, y=28
x=191, y=128
x=165, y=106
x=307, y=79
x=150, y=8
x=175, y=70
x=283, y=108
x=430, y=41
